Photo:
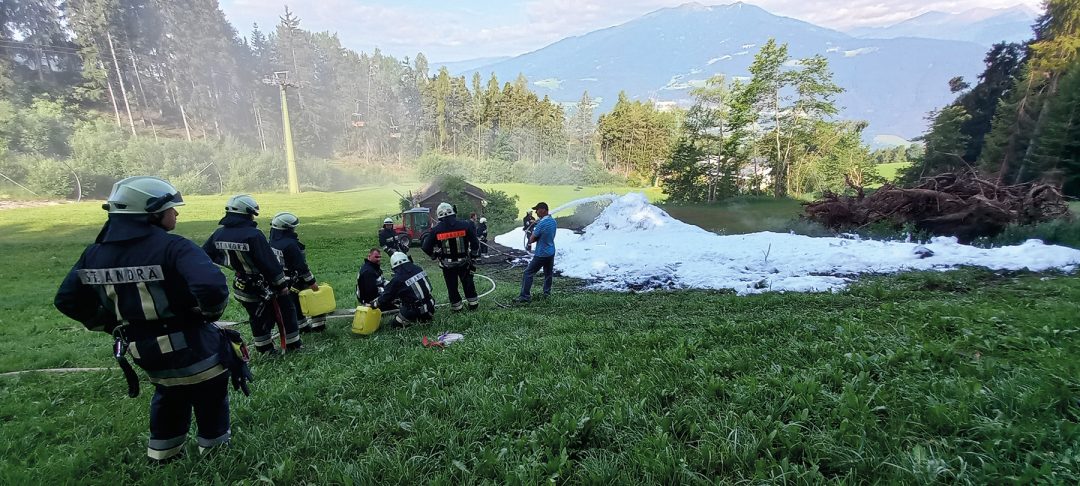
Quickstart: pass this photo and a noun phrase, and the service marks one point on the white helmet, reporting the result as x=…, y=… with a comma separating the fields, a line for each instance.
x=483, y=220
x=387, y=221
x=285, y=221
x=398, y=258
x=444, y=210
x=242, y=204
x=142, y=195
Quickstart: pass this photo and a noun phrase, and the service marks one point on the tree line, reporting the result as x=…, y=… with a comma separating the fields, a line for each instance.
x=1020, y=122
x=163, y=71
x=773, y=133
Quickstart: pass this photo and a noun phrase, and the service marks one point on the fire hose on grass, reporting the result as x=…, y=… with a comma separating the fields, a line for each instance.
x=337, y=314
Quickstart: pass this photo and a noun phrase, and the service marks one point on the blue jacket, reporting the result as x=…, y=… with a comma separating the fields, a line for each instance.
x=161, y=288
x=290, y=254
x=239, y=245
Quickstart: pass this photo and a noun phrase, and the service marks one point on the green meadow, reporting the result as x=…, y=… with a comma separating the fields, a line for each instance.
x=969, y=376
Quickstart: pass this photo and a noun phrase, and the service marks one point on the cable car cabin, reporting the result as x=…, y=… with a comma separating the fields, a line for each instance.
x=357, y=120
x=414, y=223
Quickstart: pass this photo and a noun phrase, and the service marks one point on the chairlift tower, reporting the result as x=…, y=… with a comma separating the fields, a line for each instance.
x=281, y=79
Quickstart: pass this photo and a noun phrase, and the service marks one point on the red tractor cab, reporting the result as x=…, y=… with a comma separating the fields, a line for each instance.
x=414, y=222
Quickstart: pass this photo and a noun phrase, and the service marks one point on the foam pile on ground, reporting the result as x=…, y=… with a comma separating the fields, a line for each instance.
x=634, y=245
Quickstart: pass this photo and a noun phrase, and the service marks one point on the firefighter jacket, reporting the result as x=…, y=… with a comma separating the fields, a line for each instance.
x=411, y=288
x=239, y=245
x=159, y=291
x=289, y=252
x=453, y=242
x=369, y=282
x=481, y=231
x=388, y=241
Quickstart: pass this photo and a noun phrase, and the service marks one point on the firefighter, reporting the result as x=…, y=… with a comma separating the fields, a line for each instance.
x=369, y=280
x=409, y=290
x=158, y=294
x=455, y=245
x=290, y=254
x=260, y=279
x=388, y=238
x=482, y=234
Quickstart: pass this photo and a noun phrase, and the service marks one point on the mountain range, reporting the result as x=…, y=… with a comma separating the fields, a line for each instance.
x=986, y=26
x=891, y=83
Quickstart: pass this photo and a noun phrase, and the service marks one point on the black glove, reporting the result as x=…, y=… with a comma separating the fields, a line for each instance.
x=236, y=359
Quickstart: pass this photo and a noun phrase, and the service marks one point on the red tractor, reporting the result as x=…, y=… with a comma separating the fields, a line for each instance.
x=414, y=222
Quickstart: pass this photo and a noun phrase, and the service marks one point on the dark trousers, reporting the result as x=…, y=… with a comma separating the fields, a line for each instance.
x=264, y=320
x=537, y=263
x=170, y=416
x=465, y=276
x=411, y=315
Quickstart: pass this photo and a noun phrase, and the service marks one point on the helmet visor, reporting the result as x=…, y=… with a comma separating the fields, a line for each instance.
x=161, y=203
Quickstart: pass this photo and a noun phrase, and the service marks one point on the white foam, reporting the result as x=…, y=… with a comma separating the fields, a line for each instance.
x=633, y=244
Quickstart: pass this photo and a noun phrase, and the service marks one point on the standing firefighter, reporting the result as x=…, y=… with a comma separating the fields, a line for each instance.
x=409, y=290
x=158, y=295
x=455, y=244
x=388, y=238
x=290, y=254
x=260, y=279
x=482, y=234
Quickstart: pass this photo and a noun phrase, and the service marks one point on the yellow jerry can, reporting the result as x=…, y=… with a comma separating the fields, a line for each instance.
x=317, y=303
x=366, y=320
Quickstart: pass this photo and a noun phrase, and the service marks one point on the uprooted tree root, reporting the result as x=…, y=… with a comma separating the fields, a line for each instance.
x=960, y=205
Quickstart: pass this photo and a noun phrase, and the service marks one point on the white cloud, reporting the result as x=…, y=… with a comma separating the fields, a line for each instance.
x=458, y=31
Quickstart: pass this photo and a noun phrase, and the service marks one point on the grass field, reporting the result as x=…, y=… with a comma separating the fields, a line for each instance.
x=959, y=377
x=891, y=171
x=746, y=214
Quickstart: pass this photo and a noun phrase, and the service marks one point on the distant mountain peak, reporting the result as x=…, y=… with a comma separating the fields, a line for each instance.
x=693, y=6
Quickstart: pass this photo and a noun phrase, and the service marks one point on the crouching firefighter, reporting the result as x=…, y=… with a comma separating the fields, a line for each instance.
x=260, y=283
x=370, y=283
x=290, y=254
x=158, y=295
x=409, y=290
x=455, y=245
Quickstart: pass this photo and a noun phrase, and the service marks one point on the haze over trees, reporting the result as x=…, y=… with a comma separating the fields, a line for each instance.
x=93, y=90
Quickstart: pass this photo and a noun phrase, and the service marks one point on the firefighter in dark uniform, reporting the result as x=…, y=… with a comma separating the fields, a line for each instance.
x=158, y=294
x=260, y=279
x=482, y=234
x=409, y=290
x=388, y=238
x=455, y=245
x=290, y=254
x=369, y=280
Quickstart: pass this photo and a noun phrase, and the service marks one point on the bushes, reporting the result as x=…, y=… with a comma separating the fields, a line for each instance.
x=501, y=210
x=1057, y=232
x=431, y=166
x=101, y=154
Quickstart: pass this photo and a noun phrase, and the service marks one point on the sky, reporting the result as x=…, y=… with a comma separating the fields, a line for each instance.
x=451, y=30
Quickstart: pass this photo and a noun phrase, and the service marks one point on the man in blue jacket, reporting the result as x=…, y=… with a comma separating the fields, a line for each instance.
x=158, y=294
x=260, y=283
x=543, y=235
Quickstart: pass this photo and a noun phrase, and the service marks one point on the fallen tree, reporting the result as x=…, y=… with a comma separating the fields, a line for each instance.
x=961, y=205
